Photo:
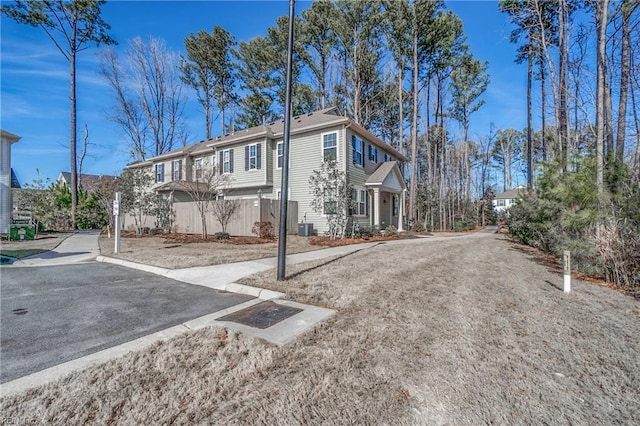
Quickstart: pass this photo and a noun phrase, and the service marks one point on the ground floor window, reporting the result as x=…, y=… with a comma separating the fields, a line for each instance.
x=330, y=201
x=359, y=197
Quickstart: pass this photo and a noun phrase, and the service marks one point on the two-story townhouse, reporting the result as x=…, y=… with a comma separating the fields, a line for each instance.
x=251, y=160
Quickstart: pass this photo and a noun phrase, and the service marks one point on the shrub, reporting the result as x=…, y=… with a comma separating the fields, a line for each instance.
x=391, y=230
x=366, y=232
x=263, y=230
x=221, y=235
x=418, y=227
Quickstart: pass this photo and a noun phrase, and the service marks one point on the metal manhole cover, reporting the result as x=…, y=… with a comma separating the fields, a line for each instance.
x=262, y=315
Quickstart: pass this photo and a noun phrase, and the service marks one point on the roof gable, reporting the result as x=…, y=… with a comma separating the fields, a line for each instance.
x=388, y=177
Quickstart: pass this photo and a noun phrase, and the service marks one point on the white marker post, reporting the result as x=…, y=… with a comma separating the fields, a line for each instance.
x=116, y=214
x=566, y=257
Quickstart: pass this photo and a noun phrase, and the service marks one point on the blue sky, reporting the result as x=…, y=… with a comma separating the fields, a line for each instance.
x=35, y=87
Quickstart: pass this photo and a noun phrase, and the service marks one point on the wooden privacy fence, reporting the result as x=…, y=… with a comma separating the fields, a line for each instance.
x=186, y=217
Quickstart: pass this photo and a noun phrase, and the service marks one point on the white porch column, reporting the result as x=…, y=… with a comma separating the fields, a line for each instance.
x=401, y=211
x=371, y=208
x=376, y=207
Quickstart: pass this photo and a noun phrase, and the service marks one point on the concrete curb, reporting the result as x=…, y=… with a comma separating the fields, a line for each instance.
x=58, y=371
x=232, y=287
x=133, y=265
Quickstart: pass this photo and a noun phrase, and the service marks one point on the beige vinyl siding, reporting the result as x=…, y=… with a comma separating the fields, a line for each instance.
x=166, y=173
x=241, y=178
x=208, y=166
x=357, y=174
x=305, y=156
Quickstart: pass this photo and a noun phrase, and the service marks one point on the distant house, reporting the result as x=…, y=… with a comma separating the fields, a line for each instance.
x=506, y=199
x=87, y=182
x=6, y=203
x=252, y=158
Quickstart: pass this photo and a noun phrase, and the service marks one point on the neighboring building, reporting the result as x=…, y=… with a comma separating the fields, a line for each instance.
x=252, y=159
x=87, y=182
x=506, y=199
x=6, y=204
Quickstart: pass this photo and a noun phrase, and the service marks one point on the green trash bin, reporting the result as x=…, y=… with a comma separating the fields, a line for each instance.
x=22, y=232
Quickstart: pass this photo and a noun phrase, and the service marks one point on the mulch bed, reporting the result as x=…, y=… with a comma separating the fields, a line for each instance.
x=328, y=242
x=197, y=238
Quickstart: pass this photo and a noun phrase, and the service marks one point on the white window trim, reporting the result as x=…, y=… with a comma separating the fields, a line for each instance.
x=255, y=157
x=277, y=156
x=214, y=163
x=174, y=170
x=337, y=145
x=360, y=191
x=227, y=152
x=197, y=165
x=159, y=165
x=324, y=213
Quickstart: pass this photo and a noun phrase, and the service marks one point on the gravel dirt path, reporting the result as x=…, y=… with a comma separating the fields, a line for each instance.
x=451, y=331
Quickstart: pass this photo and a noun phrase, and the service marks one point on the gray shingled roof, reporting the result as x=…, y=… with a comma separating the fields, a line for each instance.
x=87, y=181
x=381, y=173
x=511, y=193
x=274, y=129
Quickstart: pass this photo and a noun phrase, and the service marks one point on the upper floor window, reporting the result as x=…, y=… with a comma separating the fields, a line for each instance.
x=214, y=164
x=373, y=154
x=176, y=170
x=198, y=167
x=159, y=172
x=280, y=149
x=226, y=161
x=500, y=202
x=252, y=156
x=330, y=146
x=357, y=145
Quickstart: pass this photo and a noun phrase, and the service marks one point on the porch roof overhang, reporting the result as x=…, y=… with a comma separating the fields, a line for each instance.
x=184, y=186
x=387, y=177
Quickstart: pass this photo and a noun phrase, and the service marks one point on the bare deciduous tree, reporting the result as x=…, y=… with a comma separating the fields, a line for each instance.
x=204, y=189
x=148, y=95
x=224, y=210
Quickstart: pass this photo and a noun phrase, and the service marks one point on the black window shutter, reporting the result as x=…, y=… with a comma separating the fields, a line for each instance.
x=246, y=158
x=258, y=155
x=220, y=162
x=353, y=145
x=362, y=155
x=230, y=161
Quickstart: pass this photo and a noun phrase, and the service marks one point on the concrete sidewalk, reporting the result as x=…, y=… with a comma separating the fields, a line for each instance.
x=81, y=246
x=223, y=277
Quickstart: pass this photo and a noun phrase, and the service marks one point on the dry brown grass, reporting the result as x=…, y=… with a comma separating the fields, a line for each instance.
x=168, y=253
x=45, y=241
x=461, y=331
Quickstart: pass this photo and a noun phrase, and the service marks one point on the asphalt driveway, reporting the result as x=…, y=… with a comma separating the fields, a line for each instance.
x=50, y=315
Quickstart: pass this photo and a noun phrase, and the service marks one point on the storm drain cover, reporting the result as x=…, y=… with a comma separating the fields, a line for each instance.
x=262, y=315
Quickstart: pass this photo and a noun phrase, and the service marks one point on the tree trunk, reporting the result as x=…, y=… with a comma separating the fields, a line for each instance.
x=72, y=139
x=543, y=94
x=625, y=65
x=562, y=83
x=207, y=113
x=602, y=7
x=414, y=125
x=400, y=108
x=529, y=120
